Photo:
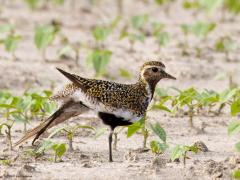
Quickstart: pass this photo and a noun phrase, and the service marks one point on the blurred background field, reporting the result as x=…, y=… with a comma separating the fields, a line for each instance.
x=197, y=40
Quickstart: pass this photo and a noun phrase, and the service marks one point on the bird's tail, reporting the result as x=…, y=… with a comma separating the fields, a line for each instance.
x=68, y=110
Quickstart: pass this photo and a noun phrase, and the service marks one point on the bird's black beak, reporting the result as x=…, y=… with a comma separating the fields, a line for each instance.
x=168, y=76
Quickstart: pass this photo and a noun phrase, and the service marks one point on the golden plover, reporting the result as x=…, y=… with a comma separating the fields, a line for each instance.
x=116, y=104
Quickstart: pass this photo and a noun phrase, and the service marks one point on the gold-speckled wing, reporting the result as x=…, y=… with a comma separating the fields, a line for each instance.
x=111, y=94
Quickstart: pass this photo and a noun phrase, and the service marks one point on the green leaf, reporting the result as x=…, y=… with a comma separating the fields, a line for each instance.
x=11, y=42
x=235, y=107
x=236, y=174
x=76, y=127
x=124, y=73
x=6, y=28
x=45, y=146
x=59, y=2
x=33, y=4
x=132, y=129
x=210, y=6
x=202, y=29
x=190, y=4
x=99, y=132
x=66, y=50
x=237, y=146
x=176, y=153
x=59, y=149
x=99, y=59
x=139, y=21
x=159, y=131
x=101, y=33
x=234, y=127
x=159, y=106
x=44, y=36
x=158, y=147
x=137, y=37
x=157, y=27
x=7, y=106
x=163, y=38
x=227, y=95
x=233, y=6
x=186, y=29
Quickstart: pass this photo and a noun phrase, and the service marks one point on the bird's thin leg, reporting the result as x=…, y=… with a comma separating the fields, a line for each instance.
x=110, y=145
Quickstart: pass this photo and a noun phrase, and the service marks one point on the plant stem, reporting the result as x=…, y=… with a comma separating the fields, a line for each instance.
x=220, y=108
x=190, y=114
x=145, y=136
x=70, y=142
x=115, y=141
x=9, y=137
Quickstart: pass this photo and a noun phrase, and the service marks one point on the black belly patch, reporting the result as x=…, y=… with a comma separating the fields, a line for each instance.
x=112, y=120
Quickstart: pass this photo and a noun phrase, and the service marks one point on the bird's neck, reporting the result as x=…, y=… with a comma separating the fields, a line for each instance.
x=148, y=85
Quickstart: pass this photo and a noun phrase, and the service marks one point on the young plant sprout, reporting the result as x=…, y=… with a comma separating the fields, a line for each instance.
x=69, y=49
x=70, y=132
x=166, y=4
x=11, y=39
x=99, y=60
x=181, y=152
x=226, y=45
x=59, y=149
x=99, y=57
x=156, y=146
x=139, y=126
x=44, y=36
x=162, y=37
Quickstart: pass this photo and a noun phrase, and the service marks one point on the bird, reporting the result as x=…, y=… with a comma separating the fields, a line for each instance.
x=115, y=104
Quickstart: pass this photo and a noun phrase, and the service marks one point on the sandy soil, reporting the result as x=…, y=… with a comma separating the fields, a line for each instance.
x=89, y=160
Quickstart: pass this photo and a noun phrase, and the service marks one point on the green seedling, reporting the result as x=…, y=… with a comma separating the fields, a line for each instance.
x=132, y=37
x=226, y=45
x=44, y=36
x=186, y=29
x=33, y=4
x=181, y=152
x=124, y=73
x=69, y=49
x=138, y=22
x=225, y=98
x=232, y=6
x=202, y=29
x=101, y=33
x=236, y=174
x=36, y=4
x=156, y=146
x=161, y=99
x=188, y=99
x=59, y=149
x=205, y=5
x=11, y=39
x=115, y=135
x=234, y=128
x=235, y=107
x=5, y=162
x=139, y=126
x=162, y=37
x=166, y=4
x=22, y=109
x=70, y=132
x=99, y=60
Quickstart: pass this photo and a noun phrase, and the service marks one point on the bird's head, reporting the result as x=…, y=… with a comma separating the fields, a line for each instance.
x=153, y=71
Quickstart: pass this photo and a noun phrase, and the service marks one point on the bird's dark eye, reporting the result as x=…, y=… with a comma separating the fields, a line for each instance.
x=154, y=69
